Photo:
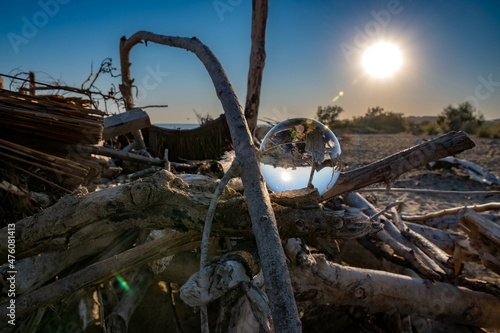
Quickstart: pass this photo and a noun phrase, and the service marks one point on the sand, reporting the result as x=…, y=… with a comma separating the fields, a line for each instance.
x=363, y=149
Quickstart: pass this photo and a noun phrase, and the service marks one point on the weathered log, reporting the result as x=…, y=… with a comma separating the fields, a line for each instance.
x=161, y=201
x=445, y=240
x=123, y=123
x=102, y=271
x=316, y=279
x=389, y=168
x=484, y=236
x=474, y=170
x=32, y=272
x=264, y=224
x=419, y=261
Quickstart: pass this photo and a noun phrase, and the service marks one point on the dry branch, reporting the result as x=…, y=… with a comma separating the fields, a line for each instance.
x=316, y=279
x=427, y=191
x=484, y=236
x=257, y=62
x=161, y=201
x=264, y=225
x=474, y=170
x=387, y=169
x=102, y=271
x=452, y=211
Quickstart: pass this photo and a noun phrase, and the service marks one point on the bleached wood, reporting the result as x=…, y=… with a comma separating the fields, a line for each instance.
x=484, y=236
x=264, y=224
x=452, y=211
x=102, y=271
x=324, y=282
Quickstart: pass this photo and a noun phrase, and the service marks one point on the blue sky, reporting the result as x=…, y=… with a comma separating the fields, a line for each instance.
x=450, y=52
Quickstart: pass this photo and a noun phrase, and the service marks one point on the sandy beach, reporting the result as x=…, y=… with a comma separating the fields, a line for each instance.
x=362, y=149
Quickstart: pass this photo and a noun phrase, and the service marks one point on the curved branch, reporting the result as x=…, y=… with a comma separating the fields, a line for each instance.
x=278, y=284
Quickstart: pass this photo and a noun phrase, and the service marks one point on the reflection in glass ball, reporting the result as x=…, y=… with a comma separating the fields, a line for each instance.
x=299, y=153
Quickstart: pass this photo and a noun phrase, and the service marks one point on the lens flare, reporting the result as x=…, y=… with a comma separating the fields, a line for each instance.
x=382, y=59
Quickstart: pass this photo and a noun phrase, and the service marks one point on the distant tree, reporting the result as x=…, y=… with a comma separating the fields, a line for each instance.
x=378, y=120
x=328, y=114
x=463, y=117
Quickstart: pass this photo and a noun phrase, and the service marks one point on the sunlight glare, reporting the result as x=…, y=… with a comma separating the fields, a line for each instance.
x=382, y=59
x=286, y=176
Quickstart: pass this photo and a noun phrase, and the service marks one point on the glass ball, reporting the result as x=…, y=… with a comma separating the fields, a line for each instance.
x=299, y=153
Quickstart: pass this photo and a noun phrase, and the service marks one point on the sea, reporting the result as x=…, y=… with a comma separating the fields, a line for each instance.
x=178, y=126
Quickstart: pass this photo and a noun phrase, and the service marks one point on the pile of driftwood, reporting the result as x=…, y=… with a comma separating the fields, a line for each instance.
x=372, y=269
x=120, y=257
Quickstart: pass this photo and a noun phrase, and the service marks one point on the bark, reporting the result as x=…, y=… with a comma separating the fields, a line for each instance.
x=102, y=271
x=389, y=168
x=164, y=200
x=484, y=236
x=404, y=248
x=32, y=272
x=257, y=62
x=445, y=240
x=264, y=225
x=318, y=280
x=474, y=170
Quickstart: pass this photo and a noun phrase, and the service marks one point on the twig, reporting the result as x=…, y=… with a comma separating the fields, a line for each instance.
x=211, y=211
x=428, y=191
x=206, y=231
x=452, y=211
x=170, y=298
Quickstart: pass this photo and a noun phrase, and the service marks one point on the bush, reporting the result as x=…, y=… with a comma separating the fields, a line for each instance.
x=489, y=131
x=430, y=128
x=328, y=114
x=459, y=118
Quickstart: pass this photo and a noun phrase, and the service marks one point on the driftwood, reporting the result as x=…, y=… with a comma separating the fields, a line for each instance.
x=473, y=169
x=315, y=278
x=164, y=200
x=264, y=225
x=121, y=155
x=257, y=61
x=452, y=211
x=485, y=237
x=101, y=271
x=124, y=123
x=427, y=191
x=389, y=168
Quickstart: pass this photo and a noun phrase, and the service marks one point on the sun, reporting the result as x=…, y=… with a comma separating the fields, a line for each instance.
x=382, y=59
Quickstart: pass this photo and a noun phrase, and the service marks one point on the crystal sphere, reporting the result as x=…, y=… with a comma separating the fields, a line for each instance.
x=299, y=153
